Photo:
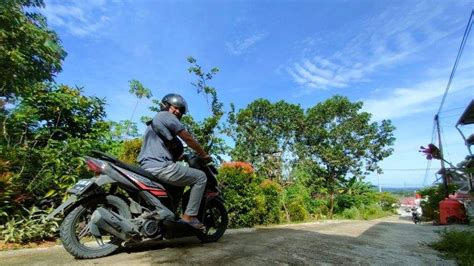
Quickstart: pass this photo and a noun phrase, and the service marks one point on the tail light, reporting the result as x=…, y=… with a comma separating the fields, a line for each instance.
x=95, y=165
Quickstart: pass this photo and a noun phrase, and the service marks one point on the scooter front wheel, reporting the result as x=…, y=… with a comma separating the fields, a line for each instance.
x=215, y=220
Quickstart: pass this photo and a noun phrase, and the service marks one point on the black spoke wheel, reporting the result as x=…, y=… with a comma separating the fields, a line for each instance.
x=215, y=220
x=75, y=229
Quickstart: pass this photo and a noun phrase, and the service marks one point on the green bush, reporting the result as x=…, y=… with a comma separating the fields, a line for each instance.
x=347, y=201
x=433, y=195
x=30, y=228
x=352, y=213
x=321, y=210
x=344, y=202
x=273, y=202
x=367, y=205
x=9, y=191
x=363, y=212
x=458, y=245
x=130, y=150
x=387, y=201
x=240, y=191
x=299, y=203
x=372, y=211
x=297, y=212
x=45, y=136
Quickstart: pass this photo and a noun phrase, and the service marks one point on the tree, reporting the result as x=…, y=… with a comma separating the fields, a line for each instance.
x=205, y=132
x=43, y=139
x=117, y=139
x=341, y=138
x=29, y=51
x=53, y=112
x=264, y=135
x=137, y=88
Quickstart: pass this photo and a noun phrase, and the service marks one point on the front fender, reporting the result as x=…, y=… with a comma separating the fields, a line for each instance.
x=208, y=197
x=214, y=195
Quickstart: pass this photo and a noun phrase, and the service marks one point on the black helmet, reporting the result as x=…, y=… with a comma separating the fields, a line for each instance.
x=175, y=100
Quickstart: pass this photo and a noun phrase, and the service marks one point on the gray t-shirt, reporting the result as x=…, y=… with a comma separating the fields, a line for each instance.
x=160, y=141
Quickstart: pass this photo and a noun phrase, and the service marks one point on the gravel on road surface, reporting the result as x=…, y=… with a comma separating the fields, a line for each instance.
x=388, y=241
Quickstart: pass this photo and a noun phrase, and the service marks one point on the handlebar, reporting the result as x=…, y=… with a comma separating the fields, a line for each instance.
x=196, y=161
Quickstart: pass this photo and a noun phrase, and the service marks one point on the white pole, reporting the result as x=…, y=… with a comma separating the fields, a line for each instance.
x=378, y=179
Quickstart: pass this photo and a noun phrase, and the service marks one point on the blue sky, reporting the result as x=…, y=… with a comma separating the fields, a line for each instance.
x=395, y=56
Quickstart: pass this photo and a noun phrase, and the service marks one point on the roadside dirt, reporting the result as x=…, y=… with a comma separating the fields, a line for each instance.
x=388, y=241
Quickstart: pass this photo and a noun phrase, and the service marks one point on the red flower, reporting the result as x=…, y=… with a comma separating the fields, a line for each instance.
x=244, y=166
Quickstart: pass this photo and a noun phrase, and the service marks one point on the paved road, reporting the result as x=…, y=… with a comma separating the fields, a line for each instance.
x=387, y=241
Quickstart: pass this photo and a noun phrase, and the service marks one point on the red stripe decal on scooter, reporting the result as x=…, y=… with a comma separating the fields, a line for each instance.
x=211, y=194
x=158, y=193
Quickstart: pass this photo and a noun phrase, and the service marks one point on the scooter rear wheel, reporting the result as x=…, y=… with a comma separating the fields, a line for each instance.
x=75, y=234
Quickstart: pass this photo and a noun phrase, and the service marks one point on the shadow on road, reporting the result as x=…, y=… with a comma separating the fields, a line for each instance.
x=187, y=242
x=350, y=242
x=386, y=241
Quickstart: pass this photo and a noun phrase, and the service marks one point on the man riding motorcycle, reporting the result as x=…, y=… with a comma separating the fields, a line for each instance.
x=124, y=204
x=161, y=149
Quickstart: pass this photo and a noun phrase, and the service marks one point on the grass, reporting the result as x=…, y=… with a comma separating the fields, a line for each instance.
x=38, y=244
x=458, y=245
x=369, y=212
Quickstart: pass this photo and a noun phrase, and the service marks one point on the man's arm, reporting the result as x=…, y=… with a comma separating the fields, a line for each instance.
x=193, y=144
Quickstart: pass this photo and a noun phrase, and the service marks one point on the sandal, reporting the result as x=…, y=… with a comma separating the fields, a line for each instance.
x=194, y=223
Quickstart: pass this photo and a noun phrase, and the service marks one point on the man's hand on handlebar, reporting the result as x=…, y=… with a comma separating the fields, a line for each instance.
x=206, y=159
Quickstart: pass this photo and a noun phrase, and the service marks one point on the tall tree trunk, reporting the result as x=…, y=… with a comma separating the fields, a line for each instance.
x=331, y=199
x=331, y=204
x=131, y=118
x=286, y=213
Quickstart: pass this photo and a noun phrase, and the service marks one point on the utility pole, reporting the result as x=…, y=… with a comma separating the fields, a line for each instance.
x=378, y=179
x=443, y=169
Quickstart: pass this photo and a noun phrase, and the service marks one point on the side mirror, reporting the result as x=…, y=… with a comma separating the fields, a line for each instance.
x=431, y=152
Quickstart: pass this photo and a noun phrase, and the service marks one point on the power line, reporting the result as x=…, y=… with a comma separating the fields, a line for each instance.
x=443, y=139
x=433, y=132
x=436, y=123
x=450, y=116
x=410, y=169
x=428, y=165
x=454, y=109
x=461, y=49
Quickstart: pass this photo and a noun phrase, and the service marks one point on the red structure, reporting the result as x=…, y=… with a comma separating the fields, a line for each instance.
x=451, y=211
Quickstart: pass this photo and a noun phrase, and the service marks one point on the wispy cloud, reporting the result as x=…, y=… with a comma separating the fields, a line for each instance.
x=424, y=96
x=80, y=18
x=387, y=40
x=240, y=46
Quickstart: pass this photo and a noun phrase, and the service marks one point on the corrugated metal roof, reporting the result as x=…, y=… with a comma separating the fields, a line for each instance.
x=468, y=116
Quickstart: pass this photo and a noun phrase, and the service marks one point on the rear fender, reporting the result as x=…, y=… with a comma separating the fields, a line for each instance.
x=80, y=193
x=104, y=179
x=70, y=207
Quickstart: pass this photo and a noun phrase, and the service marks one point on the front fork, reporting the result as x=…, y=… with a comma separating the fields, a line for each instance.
x=208, y=196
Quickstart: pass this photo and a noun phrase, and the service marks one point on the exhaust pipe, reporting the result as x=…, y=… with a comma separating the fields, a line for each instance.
x=103, y=219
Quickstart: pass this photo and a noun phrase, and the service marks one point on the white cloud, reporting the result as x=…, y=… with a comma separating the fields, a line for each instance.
x=80, y=18
x=384, y=41
x=425, y=96
x=240, y=46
